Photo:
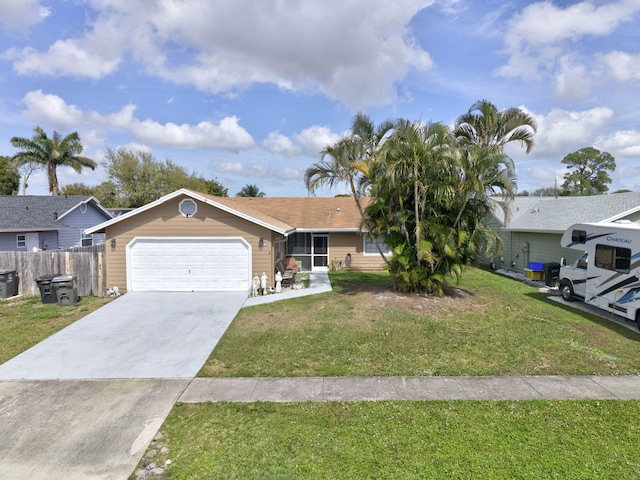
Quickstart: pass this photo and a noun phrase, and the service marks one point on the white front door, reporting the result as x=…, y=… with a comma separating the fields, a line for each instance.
x=188, y=264
x=319, y=252
x=33, y=241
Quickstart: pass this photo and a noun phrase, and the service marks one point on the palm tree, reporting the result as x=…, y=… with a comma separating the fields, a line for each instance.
x=421, y=156
x=51, y=153
x=352, y=160
x=486, y=126
x=250, y=191
x=483, y=132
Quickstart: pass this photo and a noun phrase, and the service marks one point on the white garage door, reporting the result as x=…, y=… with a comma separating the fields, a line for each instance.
x=188, y=264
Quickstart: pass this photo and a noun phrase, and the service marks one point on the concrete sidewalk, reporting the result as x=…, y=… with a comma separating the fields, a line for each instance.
x=320, y=389
x=318, y=283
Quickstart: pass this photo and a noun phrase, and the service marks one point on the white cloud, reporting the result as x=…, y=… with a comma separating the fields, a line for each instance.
x=544, y=39
x=19, y=14
x=291, y=174
x=353, y=52
x=230, y=167
x=316, y=138
x=278, y=143
x=227, y=134
x=573, y=81
x=622, y=66
x=625, y=143
x=562, y=131
x=52, y=109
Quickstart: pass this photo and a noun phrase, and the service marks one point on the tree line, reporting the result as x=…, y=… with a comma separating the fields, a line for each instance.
x=134, y=177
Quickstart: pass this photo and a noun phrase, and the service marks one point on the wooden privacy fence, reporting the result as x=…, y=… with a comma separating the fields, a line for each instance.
x=85, y=262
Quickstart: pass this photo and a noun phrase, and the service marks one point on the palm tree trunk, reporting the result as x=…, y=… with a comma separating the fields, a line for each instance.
x=53, y=179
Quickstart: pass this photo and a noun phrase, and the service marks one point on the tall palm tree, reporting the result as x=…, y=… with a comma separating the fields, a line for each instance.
x=422, y=156
x=250, y=191
x=52, y=153
x=486, y=126
x=351, y=160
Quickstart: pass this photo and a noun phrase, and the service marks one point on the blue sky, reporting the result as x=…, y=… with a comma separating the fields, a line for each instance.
x=249, y=92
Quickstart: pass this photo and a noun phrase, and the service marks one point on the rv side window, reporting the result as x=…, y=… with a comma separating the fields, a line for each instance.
x=579, y=236
x=613, y=258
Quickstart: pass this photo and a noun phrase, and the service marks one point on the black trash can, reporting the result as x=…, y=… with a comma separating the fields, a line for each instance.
x=66, y=289
x=8, y=283
x=47, y=294
x=551, y=273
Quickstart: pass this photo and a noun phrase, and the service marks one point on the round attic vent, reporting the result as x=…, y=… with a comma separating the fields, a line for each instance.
x=188, y=207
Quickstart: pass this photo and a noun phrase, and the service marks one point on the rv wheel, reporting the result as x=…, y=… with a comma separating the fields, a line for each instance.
x=566, y=289
x=638, y=318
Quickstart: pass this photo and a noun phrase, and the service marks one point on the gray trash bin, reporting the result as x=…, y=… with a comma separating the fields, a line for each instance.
x=66, y=289
x=47, y=293
x=8, y=283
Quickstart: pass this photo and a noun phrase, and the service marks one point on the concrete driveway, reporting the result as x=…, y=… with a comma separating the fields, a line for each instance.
x=139, y=335
x=86, y=402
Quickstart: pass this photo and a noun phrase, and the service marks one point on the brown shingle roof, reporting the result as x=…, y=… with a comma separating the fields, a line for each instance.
x=304, y=213
x=255, y=214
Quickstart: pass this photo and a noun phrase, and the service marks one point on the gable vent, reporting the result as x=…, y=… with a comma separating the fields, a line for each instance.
x=188, y=207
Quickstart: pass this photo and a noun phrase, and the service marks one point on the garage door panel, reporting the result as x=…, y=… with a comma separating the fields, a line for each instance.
x=202, y=264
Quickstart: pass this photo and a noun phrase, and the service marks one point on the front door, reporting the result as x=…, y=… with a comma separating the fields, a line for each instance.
x=320, y=252
x=32, y=241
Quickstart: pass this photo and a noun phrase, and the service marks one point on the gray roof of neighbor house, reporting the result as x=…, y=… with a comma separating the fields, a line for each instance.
x=551, y=214
x=24, y=213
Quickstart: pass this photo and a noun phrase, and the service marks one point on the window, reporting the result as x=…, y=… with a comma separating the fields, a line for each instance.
x=21, y=240
x=299, y=244
x=579, y=236
x=188, y=207
x=583, y=261
x=87, y=240
x=370, y=246
x=613, y=258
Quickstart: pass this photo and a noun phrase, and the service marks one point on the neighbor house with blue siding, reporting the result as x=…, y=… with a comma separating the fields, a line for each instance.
x=30, y=223
x=535, y=226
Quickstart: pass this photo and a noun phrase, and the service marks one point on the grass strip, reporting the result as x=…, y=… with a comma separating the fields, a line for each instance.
x=403, y=440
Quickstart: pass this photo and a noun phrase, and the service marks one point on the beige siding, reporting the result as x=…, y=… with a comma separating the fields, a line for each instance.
x=341, y=244
x=165, y=221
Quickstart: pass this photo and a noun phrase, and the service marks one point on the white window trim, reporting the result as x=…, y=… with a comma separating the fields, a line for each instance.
x=190, y=201
x=366, y=237
x=83, y=237
x=21, y=243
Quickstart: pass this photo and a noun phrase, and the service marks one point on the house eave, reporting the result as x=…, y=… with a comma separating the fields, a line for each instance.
x=96, y=204
x=328, y=230
x=195, y=196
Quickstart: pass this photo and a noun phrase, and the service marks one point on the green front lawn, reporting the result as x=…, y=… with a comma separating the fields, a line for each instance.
x=25, y=321
x=488, y=325
x=404, y=440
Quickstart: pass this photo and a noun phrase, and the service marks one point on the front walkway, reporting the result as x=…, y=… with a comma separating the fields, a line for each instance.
x=318, y=283
x=320, y=389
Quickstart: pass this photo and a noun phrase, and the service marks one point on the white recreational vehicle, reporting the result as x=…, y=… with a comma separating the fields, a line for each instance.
x=608, y=274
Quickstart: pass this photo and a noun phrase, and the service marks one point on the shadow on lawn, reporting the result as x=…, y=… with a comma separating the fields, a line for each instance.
x=597, y=316
x=347, y=282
